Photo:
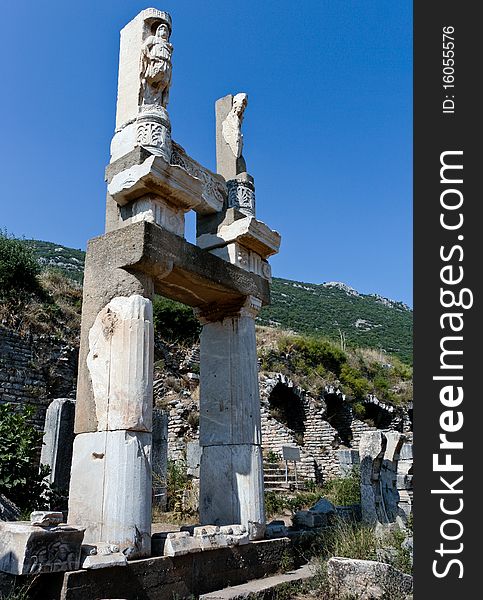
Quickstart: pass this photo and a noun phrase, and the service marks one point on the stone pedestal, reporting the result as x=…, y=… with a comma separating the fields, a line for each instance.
x=231, y=472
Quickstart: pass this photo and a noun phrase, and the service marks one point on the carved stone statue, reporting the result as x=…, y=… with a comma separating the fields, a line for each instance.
x=232, y=124
x=156, y=55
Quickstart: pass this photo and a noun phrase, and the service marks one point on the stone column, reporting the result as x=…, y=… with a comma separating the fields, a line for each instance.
x=160, y=457
x=231, y=471
x=110, y=490
x=57, y=443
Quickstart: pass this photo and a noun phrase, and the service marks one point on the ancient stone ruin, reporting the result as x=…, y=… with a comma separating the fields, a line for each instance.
x=120, y=450
x=151, y=184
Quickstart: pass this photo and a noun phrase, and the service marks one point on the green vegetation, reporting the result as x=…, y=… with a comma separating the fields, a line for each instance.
x=174, y=321
x=68, y=261
x=314, y=363
x=18, y=269
x=20, y=478
x=330, y=310
x=341, y=491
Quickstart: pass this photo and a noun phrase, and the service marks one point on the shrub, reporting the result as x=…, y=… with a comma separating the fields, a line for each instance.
x=315, y=352
x=344, y=491
x=354, y=382
x=18, y=268
x=20, y=478
x=175, y=321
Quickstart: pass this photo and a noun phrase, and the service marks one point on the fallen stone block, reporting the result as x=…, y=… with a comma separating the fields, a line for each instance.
x=276, y=529
x=213, y=536
x=323, y=506
x=180, y=543
x=29, y=549
x=367, y=580
x=309, y=519
x=101, y=561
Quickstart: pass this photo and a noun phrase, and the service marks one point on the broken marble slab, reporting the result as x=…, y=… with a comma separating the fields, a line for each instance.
x=29, y=549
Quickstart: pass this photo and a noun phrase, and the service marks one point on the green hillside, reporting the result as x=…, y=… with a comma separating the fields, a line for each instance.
x=334, y=308
x=67, y=260
x=328, y=309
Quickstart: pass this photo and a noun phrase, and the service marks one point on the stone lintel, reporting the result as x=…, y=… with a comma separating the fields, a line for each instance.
x=180, y=270
x=249, y=232
x=184, y=182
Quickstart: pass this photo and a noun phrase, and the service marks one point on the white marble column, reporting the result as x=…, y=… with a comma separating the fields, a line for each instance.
x=110, y=492
x=231, y=470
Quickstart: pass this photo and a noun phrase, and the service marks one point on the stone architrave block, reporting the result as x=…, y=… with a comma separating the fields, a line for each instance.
x=367, y=580
x=28, y=549
x=231, y=485
x=110, y=491
x=249, y=232
x=180, y=543
x=58, y=441
x=172, y=183
x=120, y=359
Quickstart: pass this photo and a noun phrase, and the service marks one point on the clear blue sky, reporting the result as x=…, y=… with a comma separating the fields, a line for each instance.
x=328, y=128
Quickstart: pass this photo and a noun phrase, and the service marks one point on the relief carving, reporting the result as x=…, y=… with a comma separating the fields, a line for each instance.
x=231, y=126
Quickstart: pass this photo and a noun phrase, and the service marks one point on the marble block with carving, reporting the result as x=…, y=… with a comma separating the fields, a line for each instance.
x=29, y=549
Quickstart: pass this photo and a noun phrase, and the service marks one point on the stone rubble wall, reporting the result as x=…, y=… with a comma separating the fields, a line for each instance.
x=34, y=369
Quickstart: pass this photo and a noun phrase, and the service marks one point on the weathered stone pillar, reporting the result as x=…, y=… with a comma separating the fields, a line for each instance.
x=57, y=443
x=160, y=457
x=231, y=471
x=110, y=491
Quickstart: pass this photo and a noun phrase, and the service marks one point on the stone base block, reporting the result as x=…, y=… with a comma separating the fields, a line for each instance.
x=367, y=580
x=231, y=485
x=28, y=549
x=110, y=491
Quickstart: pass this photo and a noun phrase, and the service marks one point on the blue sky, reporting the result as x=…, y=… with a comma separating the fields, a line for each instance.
x=328, y=128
